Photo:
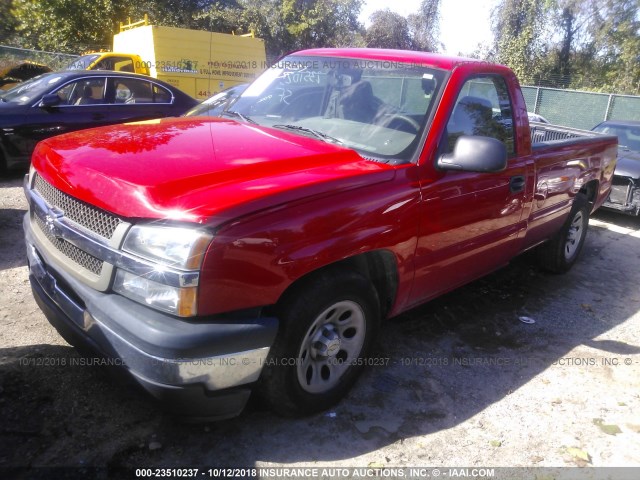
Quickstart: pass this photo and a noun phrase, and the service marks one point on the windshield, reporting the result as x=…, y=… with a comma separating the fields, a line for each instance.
x=83, y=62
x=25, y=92
x=214, y=105
x=628, y=135
x=379, y=108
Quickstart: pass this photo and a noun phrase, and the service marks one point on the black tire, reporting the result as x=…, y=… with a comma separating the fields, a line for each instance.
x=560, y=253
x=3, y=164
x=328, y=325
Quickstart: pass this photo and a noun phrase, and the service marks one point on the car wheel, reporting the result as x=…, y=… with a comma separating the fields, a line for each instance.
x=328, y=326
x=560, y=253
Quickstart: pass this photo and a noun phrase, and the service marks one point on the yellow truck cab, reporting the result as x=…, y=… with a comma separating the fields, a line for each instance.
x=121, y=62
x=197, y=62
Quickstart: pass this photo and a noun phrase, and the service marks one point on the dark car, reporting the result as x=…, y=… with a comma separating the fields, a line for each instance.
x=61, y=102
x=625, y=194
x=214, y=105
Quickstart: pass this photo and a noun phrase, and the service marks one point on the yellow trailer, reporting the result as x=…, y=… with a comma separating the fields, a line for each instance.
x=197, y=62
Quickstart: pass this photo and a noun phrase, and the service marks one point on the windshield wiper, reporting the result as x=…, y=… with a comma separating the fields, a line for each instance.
x=316, y=133
x=233, y=113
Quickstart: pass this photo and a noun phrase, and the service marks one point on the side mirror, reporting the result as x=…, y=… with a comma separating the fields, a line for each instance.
x=475, y=154
x=50, y=100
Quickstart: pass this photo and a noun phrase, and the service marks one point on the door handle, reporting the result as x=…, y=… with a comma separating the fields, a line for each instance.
x=517, y=183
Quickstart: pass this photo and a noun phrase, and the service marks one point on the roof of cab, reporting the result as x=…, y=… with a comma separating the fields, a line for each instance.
x=405, y=56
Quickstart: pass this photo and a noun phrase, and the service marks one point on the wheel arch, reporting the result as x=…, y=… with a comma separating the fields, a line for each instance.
x=378, y=266
x=590, y=190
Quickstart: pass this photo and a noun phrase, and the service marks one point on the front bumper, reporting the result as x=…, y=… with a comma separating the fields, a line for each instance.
x=200, y=368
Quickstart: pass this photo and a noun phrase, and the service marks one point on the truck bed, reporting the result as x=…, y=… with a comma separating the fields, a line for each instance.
x=544, y=134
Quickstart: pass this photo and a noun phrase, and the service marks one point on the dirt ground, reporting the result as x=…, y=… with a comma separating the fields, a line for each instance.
x=467, y=382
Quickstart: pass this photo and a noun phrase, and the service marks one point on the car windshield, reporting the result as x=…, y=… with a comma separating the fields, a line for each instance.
x=83, y=62
x=379, y=108
x=214, y=105
x=628, y=135
x=25, y=92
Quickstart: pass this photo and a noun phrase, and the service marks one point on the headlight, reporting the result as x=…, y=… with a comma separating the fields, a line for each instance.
x=175, y=300
x=181, y=248
x=178, y=248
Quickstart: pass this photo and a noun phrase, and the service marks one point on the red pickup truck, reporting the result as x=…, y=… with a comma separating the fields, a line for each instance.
x=259, y=251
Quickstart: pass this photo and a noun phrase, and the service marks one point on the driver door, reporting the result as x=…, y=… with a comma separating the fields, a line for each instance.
x=471, y=222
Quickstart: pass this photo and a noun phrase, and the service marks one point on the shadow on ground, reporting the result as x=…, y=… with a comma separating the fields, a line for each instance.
x=12, y=249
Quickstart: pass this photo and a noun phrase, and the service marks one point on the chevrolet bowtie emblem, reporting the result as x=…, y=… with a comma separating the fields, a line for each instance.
x=52, y=215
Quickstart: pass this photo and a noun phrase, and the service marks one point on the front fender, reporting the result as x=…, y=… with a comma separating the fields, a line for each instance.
x=251, y=262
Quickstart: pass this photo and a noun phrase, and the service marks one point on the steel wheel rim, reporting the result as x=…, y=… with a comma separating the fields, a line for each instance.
x=331, y=345
x=574, y=236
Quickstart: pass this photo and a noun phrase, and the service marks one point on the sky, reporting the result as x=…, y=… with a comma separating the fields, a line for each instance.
x=463, y=23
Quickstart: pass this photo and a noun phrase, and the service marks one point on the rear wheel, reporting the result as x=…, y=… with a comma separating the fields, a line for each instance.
x=328, y=325
x=560, y=253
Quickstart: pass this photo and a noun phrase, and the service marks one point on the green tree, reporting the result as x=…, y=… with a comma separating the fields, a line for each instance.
x=77, y=25
x=8, y=21
x=287, y=25
x=518, y=26
x=195, y=14
x=419, y=31
x=569, y=19
x=571, y=43
x=321, y=23
x=388, y=30
x=266, y=20
x=616, y=44
x=424, y=27
x=70, y=26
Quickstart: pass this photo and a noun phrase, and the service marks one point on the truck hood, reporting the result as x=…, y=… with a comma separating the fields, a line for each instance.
x=628, y=163
x=204, y=170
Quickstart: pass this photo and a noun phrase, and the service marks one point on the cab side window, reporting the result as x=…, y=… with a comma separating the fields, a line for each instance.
x=482, y=108
x=161, y=95
x=134, y=90
x=119, y=64
x=88, y=91
x=123, y=64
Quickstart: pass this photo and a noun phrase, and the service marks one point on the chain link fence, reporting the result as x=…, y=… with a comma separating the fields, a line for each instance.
x=11, y=56
x=578, y=109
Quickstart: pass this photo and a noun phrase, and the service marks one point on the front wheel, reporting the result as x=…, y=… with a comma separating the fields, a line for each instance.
x=560, y=253
x=328, y=326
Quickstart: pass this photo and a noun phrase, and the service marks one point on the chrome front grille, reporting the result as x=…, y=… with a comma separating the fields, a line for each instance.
x=87, y=216
x=80, y=257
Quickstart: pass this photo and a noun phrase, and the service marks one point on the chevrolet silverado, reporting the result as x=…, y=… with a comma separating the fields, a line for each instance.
x=213, y=257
